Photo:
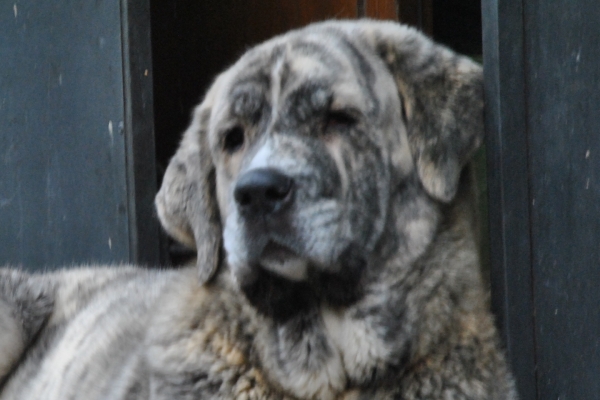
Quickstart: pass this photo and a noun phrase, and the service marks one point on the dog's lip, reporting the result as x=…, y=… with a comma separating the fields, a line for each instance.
x=283, y=261
x=277, y=252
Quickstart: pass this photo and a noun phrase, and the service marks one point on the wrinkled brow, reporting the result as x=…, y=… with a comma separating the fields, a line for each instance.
x=247, y=98
x=308, y=99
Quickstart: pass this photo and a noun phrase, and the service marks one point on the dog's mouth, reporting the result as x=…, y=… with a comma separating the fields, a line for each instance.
x=282, y=284
x=283, y=261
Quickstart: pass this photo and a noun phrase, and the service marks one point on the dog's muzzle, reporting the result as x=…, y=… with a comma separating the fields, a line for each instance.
x=262, y=192
x=264, y=198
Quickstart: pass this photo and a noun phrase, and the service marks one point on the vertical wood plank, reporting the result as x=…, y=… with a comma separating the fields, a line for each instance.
x=543, y=96
x=508, y=186
x=144, y=230
x=563, y=98
x=63, y=187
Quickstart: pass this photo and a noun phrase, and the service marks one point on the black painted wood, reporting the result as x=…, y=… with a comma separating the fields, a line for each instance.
x=508, y=186
x=144, y=228
x=66, y=124
x=563, y=99
x=543, y=121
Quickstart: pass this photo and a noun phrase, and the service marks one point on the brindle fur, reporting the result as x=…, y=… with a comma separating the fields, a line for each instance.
x=367, y=286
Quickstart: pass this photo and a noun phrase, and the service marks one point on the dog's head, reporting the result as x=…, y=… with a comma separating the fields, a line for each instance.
x=294, y=157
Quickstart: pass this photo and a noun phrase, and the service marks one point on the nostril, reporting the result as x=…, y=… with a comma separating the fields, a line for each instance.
x=277, y=192
x=243, y=198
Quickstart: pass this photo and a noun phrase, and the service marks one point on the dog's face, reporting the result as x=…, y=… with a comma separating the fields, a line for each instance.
x=302, y=138
x=298, y=150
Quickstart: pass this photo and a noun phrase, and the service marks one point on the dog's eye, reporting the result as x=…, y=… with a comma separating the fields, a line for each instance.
x=234, y=139
x=339, y=120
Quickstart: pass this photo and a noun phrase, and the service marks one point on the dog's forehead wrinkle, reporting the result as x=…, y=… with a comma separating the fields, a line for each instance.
x=277, y=79
x=246, y=100
x=364, y=71
x=305, y=85
x=314, y=46
x=302, y=109
x=316, y=59
x=338, y=154
x=314, y=77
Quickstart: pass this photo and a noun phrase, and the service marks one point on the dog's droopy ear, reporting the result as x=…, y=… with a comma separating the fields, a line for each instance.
x=186, y=202
x=442, y=96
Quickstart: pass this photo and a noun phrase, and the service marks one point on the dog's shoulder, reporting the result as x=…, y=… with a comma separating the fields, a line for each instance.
x=26, y=303
x=68, y=329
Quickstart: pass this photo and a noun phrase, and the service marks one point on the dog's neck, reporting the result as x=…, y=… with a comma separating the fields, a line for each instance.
x=342, y=341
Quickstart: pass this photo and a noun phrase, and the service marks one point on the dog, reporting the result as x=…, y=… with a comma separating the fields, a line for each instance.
x=325, y=183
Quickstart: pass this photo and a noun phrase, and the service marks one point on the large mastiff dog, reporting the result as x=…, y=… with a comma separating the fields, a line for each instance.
x=324, y=183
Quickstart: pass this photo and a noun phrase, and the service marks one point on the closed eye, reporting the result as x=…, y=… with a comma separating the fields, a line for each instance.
x=339, y=120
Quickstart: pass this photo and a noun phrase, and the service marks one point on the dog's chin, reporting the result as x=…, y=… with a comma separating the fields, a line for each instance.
x=273, y=258
x=282, y=285
x=284, y=262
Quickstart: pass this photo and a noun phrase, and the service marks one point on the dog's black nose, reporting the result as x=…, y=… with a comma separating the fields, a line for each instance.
x=263, y=191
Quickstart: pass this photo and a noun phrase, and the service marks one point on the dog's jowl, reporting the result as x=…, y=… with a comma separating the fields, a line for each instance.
x=325, y=183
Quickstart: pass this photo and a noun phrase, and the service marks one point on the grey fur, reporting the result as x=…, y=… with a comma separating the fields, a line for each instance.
x=362, y=284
